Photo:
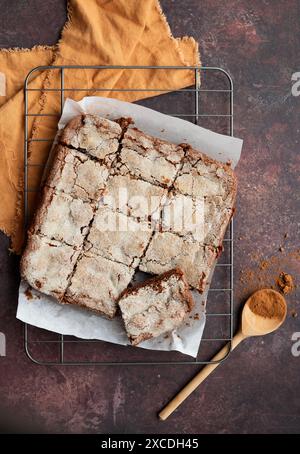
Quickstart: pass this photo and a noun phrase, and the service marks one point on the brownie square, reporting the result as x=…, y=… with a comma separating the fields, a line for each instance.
x=62, y=218
x=118, y=237
x=133, y=197
x=96, y=136
x=97, y=283
x=148, y=158
x=168, y=250
x=74, y=173
x=47, y=265
x=156, y=306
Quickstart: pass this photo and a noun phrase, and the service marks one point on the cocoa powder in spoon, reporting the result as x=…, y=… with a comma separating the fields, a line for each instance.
x=268, y=304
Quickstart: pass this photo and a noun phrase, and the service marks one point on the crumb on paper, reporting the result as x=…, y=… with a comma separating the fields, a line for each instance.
x=197, y=316
x=29, y=294
x=294, y=313
x=281, y=249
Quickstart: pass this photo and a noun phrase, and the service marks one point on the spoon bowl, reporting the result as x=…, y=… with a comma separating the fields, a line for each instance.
x=254, y=324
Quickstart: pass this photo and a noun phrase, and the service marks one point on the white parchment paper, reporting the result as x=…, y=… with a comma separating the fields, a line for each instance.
x=44, y=312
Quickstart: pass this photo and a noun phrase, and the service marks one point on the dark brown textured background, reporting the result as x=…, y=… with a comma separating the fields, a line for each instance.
x=258, y=389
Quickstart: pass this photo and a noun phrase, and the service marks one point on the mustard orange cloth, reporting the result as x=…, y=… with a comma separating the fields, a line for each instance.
x=98, y=32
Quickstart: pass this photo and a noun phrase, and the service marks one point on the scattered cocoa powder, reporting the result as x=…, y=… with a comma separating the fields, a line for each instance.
x=264, y=264
x=266, y=271
x=285, y=282
x=247, y=275
x=268, y=304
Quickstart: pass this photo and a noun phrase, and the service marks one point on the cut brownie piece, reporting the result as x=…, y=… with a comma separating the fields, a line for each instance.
x=96, y=136
x=184, y=215
x=97, y=283
x=62, y=218
x=133, y=197
x=156, y=306
x=148, y=158
x=167, y=250
x=216, y=218
x=118, y=237
x=202, y=177
x=47, y=265
x=74, y=173
x=197, y=219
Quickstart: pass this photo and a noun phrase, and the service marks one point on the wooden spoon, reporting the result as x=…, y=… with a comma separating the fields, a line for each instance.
x=252, y=324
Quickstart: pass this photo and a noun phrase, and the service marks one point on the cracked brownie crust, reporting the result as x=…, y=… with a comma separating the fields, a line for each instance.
x=93, y=135
x=96, y=284
x=47, y=264
x=156, y=307
x=75, y=174
x=134, y=197
x=152, y=160
x=118, y=237
x=62, y=218
x=167, y=250
x=72, y=255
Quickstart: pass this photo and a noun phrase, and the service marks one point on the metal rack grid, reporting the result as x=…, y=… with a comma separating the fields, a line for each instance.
x=63, y=341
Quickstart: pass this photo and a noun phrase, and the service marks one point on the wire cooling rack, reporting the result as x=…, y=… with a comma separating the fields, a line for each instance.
x=209, y=105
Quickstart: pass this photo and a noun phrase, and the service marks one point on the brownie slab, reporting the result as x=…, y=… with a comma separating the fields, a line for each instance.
x=97, y=283
x=167, y=250
x=100, y=167
x=74, y=173
x=118, y=237
x=47, y=265
x=99, y=137
x=148, y=158
x=63, y=218
x=156, y=306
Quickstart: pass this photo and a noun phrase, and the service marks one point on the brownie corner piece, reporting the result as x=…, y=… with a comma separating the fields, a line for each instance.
x=156, y=306
x=202, y=176
x=94, y=135
x=72, y=172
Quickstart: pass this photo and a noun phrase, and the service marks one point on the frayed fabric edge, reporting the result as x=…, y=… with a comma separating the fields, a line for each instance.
x=197, y=51
x=15, y=246
x=176, y=40
x=38, y=47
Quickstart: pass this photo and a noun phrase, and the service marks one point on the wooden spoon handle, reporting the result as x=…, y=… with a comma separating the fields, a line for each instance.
x=199, y=378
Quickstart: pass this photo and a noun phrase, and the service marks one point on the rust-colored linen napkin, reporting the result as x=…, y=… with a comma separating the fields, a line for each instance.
x=98, y=32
